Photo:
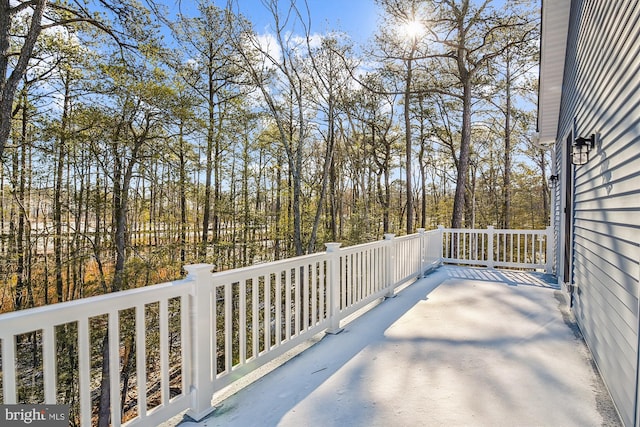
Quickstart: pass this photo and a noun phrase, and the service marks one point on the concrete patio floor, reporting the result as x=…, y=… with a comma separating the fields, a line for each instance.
x=462, y=346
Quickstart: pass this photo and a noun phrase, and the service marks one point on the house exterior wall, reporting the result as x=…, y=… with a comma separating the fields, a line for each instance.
x=601, y=94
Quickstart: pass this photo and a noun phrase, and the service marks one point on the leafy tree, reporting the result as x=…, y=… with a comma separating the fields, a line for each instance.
x=469, y=37
x=511, y=73
x=209, y=69
x=18, y=38
x=125, y=132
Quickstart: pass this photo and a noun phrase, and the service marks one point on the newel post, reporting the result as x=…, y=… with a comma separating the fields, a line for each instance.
x=490, y=245
x=390, y=256
x=441, y=237
x=423, y=251
x=333, y=287
x=201, y=359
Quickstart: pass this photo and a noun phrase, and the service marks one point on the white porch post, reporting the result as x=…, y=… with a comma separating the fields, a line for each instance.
x=490, y=243
x=441, y=236
x=203, y=364
x=423, y=250
x=333, y=287
x=390, y=264
x=549, y=254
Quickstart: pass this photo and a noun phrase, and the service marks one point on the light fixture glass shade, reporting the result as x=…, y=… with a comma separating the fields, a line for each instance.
x=580, y=155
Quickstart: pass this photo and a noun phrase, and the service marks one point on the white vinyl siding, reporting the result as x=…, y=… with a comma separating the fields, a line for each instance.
x=601, y=92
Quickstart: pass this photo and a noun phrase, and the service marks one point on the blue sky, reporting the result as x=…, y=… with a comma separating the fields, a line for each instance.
x=358, y=18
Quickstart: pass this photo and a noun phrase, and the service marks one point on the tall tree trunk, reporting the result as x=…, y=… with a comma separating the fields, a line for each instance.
x=333, y=202
x=408, y=137
x=206, y=215
x=206, y=211
x=8, y=86
x=24, y=296
x=183, y=197
x=247, y=225
x=122, y=176
x=57, y=201
x=277, y=245
x=328, y=163
x=464, y=158
x=104, y=404
x=423, y=188
x=422, y=164
x=296, y=175
x=119, y=222
x=507, y=146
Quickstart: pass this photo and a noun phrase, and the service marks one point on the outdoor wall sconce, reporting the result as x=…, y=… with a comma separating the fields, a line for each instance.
x=553, y=179
x=581, y=148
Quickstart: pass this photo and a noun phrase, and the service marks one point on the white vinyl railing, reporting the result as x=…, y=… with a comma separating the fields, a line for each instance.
x=193, y=337
x=174, y=345
x=523, y=249
x=79, y=322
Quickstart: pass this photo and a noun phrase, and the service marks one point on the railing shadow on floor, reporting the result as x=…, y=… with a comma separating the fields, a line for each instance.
x=506, y=276
x=333, y=351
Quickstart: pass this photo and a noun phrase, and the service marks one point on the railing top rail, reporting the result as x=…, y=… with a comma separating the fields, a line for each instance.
x=498, y=230
x=435, y=230
x=406, y=237
x=69, y=311
x=274, y=266
x=269, y=267
x=362, y=246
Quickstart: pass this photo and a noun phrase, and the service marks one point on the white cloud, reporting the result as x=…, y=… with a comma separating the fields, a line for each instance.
x=269, y=44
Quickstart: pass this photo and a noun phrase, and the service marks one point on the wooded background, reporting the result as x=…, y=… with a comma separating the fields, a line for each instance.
x=139, y=142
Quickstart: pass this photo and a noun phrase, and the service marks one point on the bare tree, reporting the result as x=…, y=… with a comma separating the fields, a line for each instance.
x=330, y=82
x=402, y=41
x=469, y=35
x=266, y=67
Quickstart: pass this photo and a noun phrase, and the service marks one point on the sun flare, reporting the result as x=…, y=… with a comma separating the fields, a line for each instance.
x=412, y=29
